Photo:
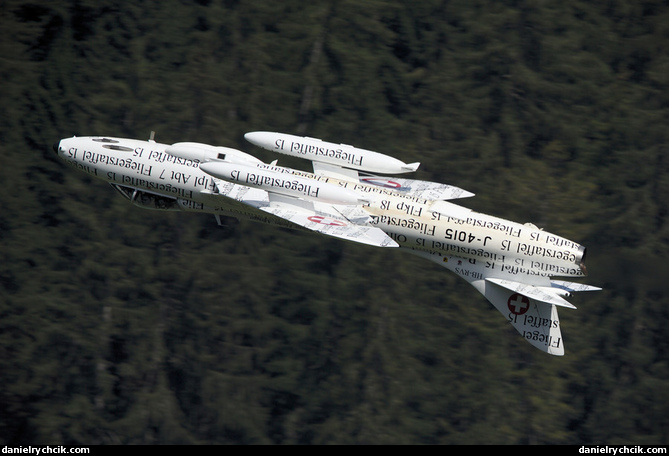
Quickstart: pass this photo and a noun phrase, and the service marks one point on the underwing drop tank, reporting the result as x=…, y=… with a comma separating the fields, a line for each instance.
x=326, y=152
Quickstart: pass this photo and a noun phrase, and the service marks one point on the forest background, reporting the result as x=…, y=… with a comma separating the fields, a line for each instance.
x=120, y=325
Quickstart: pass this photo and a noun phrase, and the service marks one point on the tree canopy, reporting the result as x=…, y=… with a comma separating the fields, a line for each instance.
x=119, y=325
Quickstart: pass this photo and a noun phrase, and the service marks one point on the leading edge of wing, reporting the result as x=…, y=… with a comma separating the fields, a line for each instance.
x=331, y=226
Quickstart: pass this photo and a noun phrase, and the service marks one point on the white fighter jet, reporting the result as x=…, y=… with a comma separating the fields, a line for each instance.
x=511, y=264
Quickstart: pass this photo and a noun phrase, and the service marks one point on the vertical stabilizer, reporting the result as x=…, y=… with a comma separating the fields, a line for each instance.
x=535, y=320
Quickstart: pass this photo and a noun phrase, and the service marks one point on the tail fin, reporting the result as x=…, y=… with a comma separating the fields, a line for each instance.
x=537, y=321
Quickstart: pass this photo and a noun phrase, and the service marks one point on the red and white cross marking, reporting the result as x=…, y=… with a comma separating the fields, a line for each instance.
x=518, y=304
x=380, y=182
x=325, y=221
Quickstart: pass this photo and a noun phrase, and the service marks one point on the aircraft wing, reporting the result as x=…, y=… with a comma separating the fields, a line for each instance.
x=344, y=222
x=529, y=303
x=419, y=188
x=410, y=187
x=334, y=227
x=329, y=221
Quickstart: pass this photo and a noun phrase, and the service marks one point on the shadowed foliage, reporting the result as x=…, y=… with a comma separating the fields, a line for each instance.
x=119, y=325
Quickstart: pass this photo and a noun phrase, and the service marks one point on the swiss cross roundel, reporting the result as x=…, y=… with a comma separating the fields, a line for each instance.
x=518, y=304
x=380, y=182
x=326, y=221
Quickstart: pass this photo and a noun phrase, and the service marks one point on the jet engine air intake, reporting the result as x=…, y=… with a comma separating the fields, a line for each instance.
x=580, y=260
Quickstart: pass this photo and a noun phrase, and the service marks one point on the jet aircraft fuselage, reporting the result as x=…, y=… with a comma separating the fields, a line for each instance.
x=510, y=263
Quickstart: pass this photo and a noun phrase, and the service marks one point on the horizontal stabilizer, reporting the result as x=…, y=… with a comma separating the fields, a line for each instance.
x=546, y=295
x=573, y=287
